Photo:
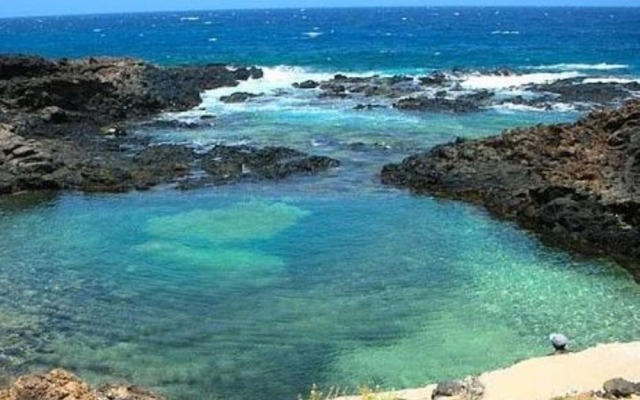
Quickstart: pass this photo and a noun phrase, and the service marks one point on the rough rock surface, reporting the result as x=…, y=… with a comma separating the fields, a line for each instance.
x=227, y=164
x=62, y=385
x=63, y=124
x=238, y=97
x=468, y=389
x=100, y=90
x=619, y=387
x=577, y=185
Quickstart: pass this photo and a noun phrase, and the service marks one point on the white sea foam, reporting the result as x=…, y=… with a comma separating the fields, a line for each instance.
x=478, y=81
x=212, y=39
x=580, y=67
x=512, y=107
x=189, y=18
x=505, y=32
x=313, y=34
x=275, y=81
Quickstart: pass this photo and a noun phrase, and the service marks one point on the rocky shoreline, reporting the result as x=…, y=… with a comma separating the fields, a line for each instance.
x=606, y=371
x=63, y=126
x=576, y=185
x=462, y=91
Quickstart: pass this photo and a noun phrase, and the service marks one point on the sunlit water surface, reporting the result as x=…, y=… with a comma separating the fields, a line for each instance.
x=260, y=290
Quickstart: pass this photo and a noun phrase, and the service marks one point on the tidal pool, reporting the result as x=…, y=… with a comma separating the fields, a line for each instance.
x=234, y=293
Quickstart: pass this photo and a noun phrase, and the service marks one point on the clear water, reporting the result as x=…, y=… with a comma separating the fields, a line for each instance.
x=260, y=290
x=238, y=294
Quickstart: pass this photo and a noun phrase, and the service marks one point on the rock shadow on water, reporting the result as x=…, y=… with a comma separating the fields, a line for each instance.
x=25, y=201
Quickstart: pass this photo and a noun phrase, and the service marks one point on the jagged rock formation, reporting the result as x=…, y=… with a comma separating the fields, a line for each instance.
x=63, y=125
x=577, y=185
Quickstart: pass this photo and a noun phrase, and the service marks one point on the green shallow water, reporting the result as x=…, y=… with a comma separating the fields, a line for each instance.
x=261, y=291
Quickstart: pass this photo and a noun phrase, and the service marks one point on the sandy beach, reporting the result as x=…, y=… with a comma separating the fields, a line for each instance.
x=544, y=378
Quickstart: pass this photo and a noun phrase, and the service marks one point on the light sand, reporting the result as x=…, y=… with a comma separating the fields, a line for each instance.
x=546, y=377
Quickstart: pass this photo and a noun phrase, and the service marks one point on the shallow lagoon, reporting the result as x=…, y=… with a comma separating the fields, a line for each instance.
x=254, y=290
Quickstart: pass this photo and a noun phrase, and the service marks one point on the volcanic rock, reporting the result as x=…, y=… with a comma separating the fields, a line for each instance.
x=62, y=385
x=238, y=97
x=577, y=185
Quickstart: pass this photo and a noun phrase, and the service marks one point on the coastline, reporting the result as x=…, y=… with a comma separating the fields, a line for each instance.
x=547, y=377
x=34, y=163
x=583, y=375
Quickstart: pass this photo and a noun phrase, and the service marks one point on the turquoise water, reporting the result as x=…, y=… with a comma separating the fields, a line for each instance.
x=261, y=290
x=239, y=293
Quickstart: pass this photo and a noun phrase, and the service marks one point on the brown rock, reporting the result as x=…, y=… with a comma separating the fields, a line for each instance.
x=63, y=385
x=127, y=393
x=575, y=184
x=55, y=385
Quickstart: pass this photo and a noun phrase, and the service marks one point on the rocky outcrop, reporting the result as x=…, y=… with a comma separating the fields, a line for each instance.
x=619, y=387
x=461, y=104
x=308, y=84
x=63, y=385
x=63, y=125
x=576, y=90
x=227, y=164
x=577, y=185
x=238, y=97
x=27, y=164
x=101, y=90
x=467, y=389
x=267, y=163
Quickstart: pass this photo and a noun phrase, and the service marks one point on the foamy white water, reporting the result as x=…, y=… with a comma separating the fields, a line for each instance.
x=477, y=81
x=512, y=108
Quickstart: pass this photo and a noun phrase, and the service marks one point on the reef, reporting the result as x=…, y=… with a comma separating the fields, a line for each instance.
x=467, y=91
x=576, y=185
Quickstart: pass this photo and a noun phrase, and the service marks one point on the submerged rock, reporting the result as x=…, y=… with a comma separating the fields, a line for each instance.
x=578, y=185
x=226, y=163
x=62, y=385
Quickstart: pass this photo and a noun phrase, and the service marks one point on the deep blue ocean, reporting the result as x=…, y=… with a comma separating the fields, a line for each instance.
x=260, y=290
x=376, y=39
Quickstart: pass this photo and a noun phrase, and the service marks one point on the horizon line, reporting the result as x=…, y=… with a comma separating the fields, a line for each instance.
x=80, y=14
